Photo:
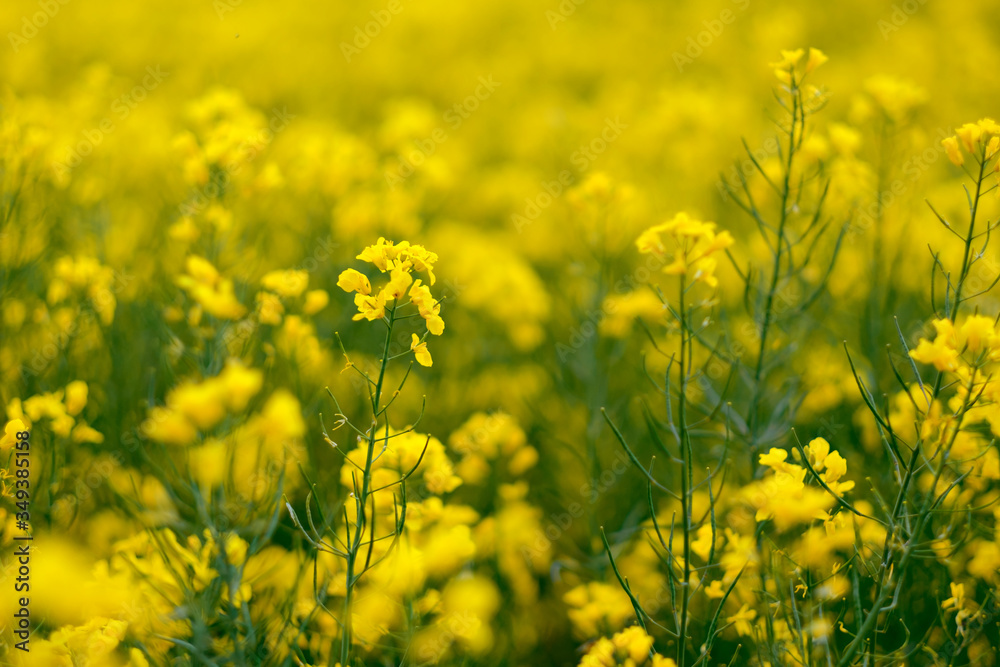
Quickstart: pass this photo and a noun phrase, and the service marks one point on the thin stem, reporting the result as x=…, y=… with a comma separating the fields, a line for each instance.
x=361, y=500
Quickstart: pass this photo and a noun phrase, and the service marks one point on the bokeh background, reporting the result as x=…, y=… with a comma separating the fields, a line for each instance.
x=527, y=144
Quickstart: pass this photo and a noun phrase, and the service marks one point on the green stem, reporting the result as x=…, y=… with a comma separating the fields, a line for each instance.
x=775, y=277
x=361, y=502
x=686, y=481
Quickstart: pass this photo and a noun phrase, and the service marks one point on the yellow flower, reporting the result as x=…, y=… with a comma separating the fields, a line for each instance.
x=817, y=450
x=269, y=308
x=969, y=134
x=788, y=59
x=941, y=352
x=167, y=426
x=201, y=270
x=84, y=433
x=992, y=147
x=775, y=459
x=693, y=242
x=286, y=283
x=398, y=283
x=816, y=59
x=370, y=308
x=420, y=295
x=316, y=300
x=702, y=544
x=978, y=332
x=240, y=384
x=957, y=599
x=76, y=397
x=741, y=620
x=954, y=154
x=354, y=281
x=10, y=433
x=420, y=351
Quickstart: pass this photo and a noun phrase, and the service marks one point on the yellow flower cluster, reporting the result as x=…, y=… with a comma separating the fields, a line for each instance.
x=631, y=647
x=981, y=140
x=199, y=406
x=94, y=643
x=595, y=606
x=62, y=409
x=210, y=290
x=399, y=261
x=86, y=276
x=977, y=336
x=785, y=498
x=690, y=248
x=790, y=69
x=488, y=442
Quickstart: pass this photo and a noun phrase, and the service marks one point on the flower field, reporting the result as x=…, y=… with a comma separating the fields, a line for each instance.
x=498, y=334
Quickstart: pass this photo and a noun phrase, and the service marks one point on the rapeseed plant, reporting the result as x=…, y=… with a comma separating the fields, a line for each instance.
x=676, y=420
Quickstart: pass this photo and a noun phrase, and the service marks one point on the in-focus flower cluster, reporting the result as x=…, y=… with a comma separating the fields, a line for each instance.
x=399, y=261
x=981, y=140
x=687, y=246
x=785, y=498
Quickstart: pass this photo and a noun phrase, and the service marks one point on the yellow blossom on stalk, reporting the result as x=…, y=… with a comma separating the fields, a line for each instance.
x=370, y=308
x=269, y=308
x=13, y=427
x=785, y=68
x=976, y=335
x=352, y=280
x=816, y=59
x=980, y=139
x=622, y=310
x=419, y=349
x=979, y=333
x=957, y=599
x=741, y=620
x=954, y=153
x=399, y=282
x=896, y=97
x=76, y=397
x=316, y=300
x=399, y=260
x=205, y=285
x=631, y=647
x=687, y=245
x=784, y=496
x=702, y=544
x=941, y=351
x=428, y=307
x=597, y=605
x=286, y=283
x=386, y=255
